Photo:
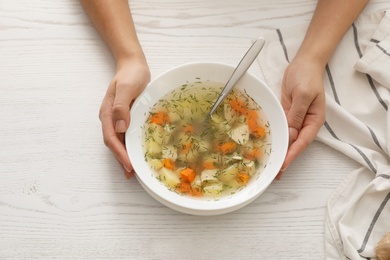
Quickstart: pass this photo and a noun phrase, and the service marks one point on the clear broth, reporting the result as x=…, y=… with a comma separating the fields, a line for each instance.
x=197, y=156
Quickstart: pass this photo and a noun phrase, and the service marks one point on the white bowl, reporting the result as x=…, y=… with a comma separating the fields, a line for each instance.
x=214, y=72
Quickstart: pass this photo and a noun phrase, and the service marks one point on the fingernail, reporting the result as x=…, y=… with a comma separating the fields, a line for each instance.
x=129, y=175
x=120, y=126
x=127, y=169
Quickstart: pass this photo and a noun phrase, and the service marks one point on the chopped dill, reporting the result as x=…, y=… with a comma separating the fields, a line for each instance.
x=204, y=143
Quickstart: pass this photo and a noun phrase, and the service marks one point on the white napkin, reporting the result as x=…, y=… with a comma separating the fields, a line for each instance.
x=357, y=85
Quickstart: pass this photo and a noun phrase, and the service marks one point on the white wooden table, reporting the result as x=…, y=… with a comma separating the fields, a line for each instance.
x=62, y=194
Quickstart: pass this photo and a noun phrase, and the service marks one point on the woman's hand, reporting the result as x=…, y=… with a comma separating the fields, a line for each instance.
x=115, y=24
x=303, y=97
x=303, y=100
x=130, y=80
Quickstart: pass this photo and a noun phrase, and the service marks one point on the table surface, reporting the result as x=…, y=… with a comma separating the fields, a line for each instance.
x=62, y=194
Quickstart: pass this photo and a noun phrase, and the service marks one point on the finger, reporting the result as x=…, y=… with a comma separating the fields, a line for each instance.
x=296, y=117
x=124, y=95
x=128, y=174
x=297, y=112
x=279, y=175
x=293, y=151
x=300, y=140
x=305, y=137
x=293, y=135
x=115, y=142
x=119, y=151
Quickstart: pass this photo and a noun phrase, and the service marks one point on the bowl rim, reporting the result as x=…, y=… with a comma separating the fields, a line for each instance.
x=187, y=204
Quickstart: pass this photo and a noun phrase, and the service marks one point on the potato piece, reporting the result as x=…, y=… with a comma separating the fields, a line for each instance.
x=192, y=156
x=167, y=139
x=187, y=113
x=174, y=116
x=169, y=152
x=233, y=185
x=240, y=134
x=156, y=132
x=209, y=176
x=216, y=118
x=155, y=163
x=224, y=126
x=202, y=146
x=213, y=189
x=229, y=173
x=196, y=181
x=242, y=120
x=153, y=148
x=169, y=177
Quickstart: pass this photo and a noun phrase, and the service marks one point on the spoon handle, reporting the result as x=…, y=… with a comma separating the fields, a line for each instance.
x=241, y=68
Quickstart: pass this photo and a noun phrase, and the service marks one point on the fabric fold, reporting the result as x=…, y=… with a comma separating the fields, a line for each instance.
x=357, y=86
x=377, y=54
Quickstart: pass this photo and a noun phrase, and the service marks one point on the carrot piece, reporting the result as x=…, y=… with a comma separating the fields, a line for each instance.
x=183, y=187
x=187, y=175
x=259, y=132
x=242, y=178
x=253, y=154
x=253, y=124
x=159, y=118
x=239, y=106
x=169, y=164
x=227, y=147
x=196, y=191
x=208, y=165
x=189, y=129
x=252, y=120
x=186, y=147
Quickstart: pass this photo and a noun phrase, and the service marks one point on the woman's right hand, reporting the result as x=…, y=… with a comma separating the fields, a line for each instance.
x=130, y=80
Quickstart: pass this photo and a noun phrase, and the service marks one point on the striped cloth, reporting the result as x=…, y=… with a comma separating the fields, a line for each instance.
x=357, y=85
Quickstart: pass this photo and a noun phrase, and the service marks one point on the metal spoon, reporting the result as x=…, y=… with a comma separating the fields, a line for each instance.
x=241, y=68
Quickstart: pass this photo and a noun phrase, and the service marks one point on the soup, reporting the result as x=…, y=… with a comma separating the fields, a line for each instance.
x=199, y=156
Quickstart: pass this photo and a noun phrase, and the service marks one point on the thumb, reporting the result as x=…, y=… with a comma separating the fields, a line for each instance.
x=296, y=116
x=121, y=106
